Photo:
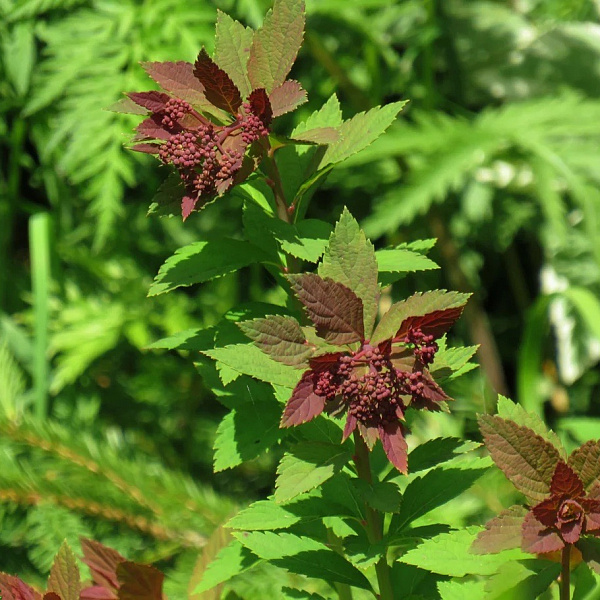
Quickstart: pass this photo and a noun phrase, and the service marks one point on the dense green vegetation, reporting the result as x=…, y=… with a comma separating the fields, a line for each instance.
x=496, y=155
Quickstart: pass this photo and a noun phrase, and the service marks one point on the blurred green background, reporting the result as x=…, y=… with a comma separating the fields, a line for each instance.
x=497, y=155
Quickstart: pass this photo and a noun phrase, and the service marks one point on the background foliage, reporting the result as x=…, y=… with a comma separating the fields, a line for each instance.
x=496, y=156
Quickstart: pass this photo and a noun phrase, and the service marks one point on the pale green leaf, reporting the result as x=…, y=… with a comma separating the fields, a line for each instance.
x=263, y=515
x=400, y=260
x=329, y=115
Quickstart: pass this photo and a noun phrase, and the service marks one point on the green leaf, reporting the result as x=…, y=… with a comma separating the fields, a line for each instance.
x=64, y=577
x=304, y=556
x=231, y=560
x=232, y=49
x=250, y=429
x=511, y=411
x=329, y=115
x=308, y=465
x=360, y=131
x=417, y=305
x=448, y=554
x=526, y=578
x=350, y=260
x=291, y=594
x=401, y=260
x=309, y=240
x=247, y=359
x=526, y=458
x=276, y=44
x=434, y=452
x=202, y=261
x=383, y=496
x=459, y=590
x=195, y=340
x=586, y=303
x=450, y=360
x=263, y=515
x=590, y=550
x=167, y=200
x=281, y=337
x=433, y=489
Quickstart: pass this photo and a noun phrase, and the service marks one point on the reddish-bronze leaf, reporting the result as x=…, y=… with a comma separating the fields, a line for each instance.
x=188, y=203
x=261, y=106
x=585, y=460
x=146, y=148
x=64, y=578
x=304, y=404
x=537, y=538
x=592, y=509
x=350, y=426
x=287, y=97
x=502, y=532
x=566, y=482
x=436, y=323
x=153, y=101
x=336, y=310
x=219, y=89
x=152, y=128
x=102, y=562
x=431, y=395
x=526, y=459
x=52, y=596
x=177, y=78
x=545, y=511
x=97, y=592
x=139, y=582
x=12, y=588
x=393, y=440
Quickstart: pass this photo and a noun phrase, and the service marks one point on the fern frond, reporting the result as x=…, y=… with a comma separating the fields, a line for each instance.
x=12, y=383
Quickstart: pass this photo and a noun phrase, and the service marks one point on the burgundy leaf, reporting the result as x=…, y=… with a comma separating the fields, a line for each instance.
x=335, y=309
x=188, y=203
x=537, y=538
x=394, y=443
x=280, y=337
x=97, y=592
x=436, y=323
x=139, y=582
x=153, y=101
x=304, y=404
x=545, y=511
x=502, y=532
x=218, y=87
x=285, y=98
x=571, y=532
x=566, y=482
x=52, y=596
x=431, y=395
x=152, y=128
x=261, y=106
x=324, y=362
x=349, y=427
x=102, y=562
x=12, y=588
x=177, y=78
x=146, y=148
x=528, y=460
x=585, y=460
x=592, y=509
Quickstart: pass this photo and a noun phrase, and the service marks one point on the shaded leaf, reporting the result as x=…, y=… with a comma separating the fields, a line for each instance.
x=260, y=105
x=287, y=97
x=139, y=582
x=102, y=562
x=350, y=260
x=322, y=136
x=502, y=532
x=335, y=309
x=524, y=457
x=394, y=444
x=276, y=44
x=304, y=404
x=153, y=101
x=219, y=89
x=167, y=200
x=565, y=482
x=64, y=577
x=590, y=550
x=586, y=462
x=308, y=465
x=178, y=78
x=152, y=128
x=127, y=106
x=537, y=538
x=12, y=588
x=232, y=49
x=433, y=311
x=263, y=515
x=527, y=578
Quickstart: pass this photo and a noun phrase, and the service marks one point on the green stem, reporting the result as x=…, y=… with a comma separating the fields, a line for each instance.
x=565, y=575
x=274, y=182
x=374, y=525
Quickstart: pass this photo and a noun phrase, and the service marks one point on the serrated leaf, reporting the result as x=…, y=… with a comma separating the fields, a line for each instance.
x=139, y=582
x=585, y=460
x=350, y=260
x=178, y=78
x=304, y=404
x=307, y=240
x=527, y=578
x=167, y=200
x=13, y=588
x=232, y=49
x=202, y=261
x=263, y=515
x=400, y=260
x=64, y=577
x=329, y=115
x=384, y=496
x=102, y=562
x=448, y=554
x=281, y=337
x=360, y=131
x=219, y=89
x=502, y=532
x=308, y=465
x=537, y=538
x=229, y=562
x=335, y=309
x=247, y=359
x=287, y=97
x=590, y=550
x=450, y=360
x=322, y=136
x=276, y=44
x=459, y=590
x=434, y=489
x=291, y=594
x=127, y=106
x=250, y=429
x=512, y=411
x=434, y=452
x=442, y=308
x=304, y=556
x=526, y=458
x=153, y=101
